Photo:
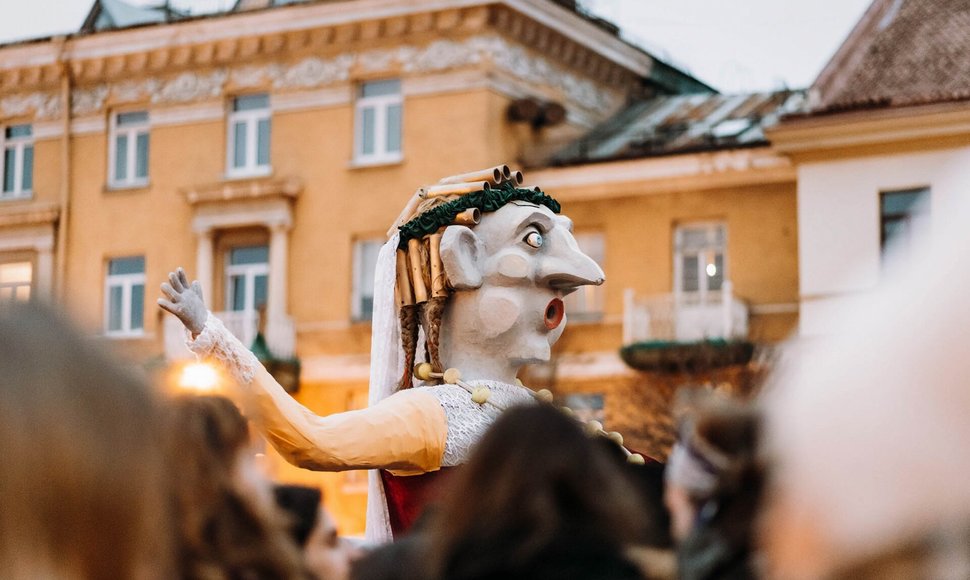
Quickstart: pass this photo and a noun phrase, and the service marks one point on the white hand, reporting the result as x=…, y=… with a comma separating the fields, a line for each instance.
x=184, y=301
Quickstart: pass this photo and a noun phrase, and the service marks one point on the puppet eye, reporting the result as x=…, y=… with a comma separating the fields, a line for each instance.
x=534, y=239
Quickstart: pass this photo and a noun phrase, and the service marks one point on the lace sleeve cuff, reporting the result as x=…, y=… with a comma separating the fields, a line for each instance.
x=216, y=342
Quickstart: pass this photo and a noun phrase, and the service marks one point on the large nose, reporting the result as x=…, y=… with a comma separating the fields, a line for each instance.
x=565, y=267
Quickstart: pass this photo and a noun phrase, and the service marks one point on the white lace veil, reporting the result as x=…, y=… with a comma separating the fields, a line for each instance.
x=386, y=358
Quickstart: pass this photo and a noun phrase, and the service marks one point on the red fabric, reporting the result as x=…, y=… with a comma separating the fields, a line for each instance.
x=407, y=496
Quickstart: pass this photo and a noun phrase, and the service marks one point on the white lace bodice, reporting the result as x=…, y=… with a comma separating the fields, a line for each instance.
x=467, y=420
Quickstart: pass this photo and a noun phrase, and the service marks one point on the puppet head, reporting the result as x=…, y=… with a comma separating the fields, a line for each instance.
x=483, y=266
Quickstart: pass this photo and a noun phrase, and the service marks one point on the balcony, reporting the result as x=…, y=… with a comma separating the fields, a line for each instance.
x=685, y=330
x=280, y=334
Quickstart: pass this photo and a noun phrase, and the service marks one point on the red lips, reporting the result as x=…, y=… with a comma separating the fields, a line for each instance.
x=555, y=312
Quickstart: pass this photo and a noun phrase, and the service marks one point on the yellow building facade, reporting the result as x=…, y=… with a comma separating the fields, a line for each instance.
x=268, y=150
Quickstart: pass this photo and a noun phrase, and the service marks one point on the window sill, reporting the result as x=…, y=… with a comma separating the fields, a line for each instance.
x=248, y=174
x=112, y=187
x=366, y=162
x=21, y=196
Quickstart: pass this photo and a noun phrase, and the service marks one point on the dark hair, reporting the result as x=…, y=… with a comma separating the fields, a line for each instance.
x=224, y=531
x=302, y=505
x=537, y=492
x=83, y=482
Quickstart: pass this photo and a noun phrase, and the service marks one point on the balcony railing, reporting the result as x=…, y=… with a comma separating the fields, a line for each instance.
x=684, y=317
x=280, y=334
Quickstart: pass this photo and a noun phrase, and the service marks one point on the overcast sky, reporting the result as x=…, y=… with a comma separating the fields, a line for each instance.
x=733, y=45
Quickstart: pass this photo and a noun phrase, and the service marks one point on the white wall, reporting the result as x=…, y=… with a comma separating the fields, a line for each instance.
x=838, y=222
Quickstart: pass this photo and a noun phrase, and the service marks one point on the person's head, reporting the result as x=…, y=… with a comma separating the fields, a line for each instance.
x=227, y=524
x=83, y=485
x=714, y=458
x=503, y=275
x=534, y=479
x=326, y=555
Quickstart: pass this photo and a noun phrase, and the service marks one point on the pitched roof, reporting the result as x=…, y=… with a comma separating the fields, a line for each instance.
x=682, y=124
x=902, y=52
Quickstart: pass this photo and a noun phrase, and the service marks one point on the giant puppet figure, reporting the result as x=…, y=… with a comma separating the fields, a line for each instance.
x=471, y=282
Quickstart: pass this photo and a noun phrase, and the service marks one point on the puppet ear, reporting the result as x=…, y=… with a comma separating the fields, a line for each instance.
x=461, y=255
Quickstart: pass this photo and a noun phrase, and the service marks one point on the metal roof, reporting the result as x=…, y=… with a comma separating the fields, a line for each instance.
x=682, y=124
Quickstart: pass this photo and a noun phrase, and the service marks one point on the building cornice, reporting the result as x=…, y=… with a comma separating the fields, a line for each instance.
x=663, y=175
x=291, y=81
x=317, y=29
x=863, y=128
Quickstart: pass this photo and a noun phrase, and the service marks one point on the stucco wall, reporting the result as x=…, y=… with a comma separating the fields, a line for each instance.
x=839, y=222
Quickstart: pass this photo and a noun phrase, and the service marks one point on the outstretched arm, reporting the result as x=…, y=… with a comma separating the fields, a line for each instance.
x=405, y=433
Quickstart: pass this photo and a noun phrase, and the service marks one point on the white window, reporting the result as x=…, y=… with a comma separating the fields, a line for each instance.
x=128, y=149
x=18, y=161
x=15, y=279
x=587, y=302
x=247, y=278
x=125, y=296
x=365, y=263
x=378, y=123
x=248, y=142
x=699, y=263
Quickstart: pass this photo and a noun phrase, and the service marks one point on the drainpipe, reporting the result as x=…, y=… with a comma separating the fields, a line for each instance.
x=60, y=280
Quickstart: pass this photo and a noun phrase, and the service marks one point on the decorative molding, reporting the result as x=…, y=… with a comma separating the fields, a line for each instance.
x=532, y=72
x=35, y=213
x=314, y=72
x=190, y=86
x=131, y=91
x=39, y=105
x=238, y=190
x=266, y=212
x=88, y=100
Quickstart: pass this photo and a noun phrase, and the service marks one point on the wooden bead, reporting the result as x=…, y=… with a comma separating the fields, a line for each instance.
x=480, y=395
x=452, y=376
x=594, y=427
x=544, y=395
x=567, y=411
x=615, y=437
x=636, y=459
x=423, y=371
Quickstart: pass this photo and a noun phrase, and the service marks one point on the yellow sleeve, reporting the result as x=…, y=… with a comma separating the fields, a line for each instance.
x=404, y=433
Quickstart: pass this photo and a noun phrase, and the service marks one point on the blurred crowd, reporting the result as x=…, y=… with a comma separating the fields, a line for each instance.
x=841, y=471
